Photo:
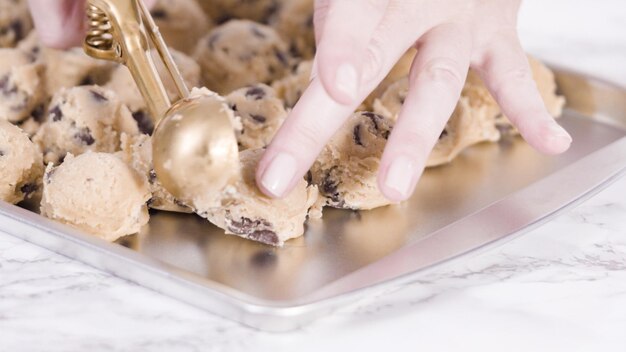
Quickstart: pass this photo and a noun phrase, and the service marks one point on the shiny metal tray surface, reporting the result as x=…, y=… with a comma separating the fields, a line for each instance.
x=489, y=193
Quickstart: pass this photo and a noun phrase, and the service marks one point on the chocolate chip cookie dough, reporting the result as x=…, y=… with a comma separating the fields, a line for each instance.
x=15, y=22
x=246, y=212
x=346, y=170
x=255, y=10
x=181, y=22
x=83, y=118
x=124, y=85
x=261, y=114
x=239, y=53
x=21, y=164
x=21, y=85
x=97, y=193
x=295, y=24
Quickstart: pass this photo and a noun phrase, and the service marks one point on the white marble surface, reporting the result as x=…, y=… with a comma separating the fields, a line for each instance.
x=561, y=287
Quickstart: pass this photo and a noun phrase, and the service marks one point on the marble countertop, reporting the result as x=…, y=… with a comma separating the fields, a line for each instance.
x=561, y=287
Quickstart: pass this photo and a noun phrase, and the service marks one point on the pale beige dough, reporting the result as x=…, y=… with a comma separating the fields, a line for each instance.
x=244, y=211
x=256, y=10
x=181, y=23
x=85, y=118
x=122, y=83
x=21, y=85
x=15, y=22
x=291, y=87
x=295, y=24
x=261, y=114
x=21, y=164
x=346, y=170
x=239, y=53
x=137, y=152
x=97, y=193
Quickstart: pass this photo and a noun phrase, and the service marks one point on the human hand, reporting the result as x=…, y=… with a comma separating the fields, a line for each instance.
x=61, y=23
x=359, y=41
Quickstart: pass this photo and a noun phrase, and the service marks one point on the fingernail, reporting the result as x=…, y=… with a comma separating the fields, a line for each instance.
x=279, y=174
x=558, y=132
x=347, y=80
x=400, y=176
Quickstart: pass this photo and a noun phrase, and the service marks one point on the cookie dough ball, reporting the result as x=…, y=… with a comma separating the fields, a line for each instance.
x=15, y=22
x=124, y=85
x=97, y=193
x=21, y=85
x=256, y=10
x=245, y=211
x=467, y=126
x=239, y=53
x=137, y=152
x=21, y=164
x=295, y=23
x=181, y=22
x=81, y=119
x=261, y=114
x=478, y=95
x=291, y=87
x=345, y=172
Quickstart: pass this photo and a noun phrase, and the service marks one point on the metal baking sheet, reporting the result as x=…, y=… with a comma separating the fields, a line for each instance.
x=489, y=193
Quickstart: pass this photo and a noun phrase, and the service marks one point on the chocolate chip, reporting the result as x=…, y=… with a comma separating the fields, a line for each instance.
x=330, y=186
x=1, y=153
x=258, y=118
x=375, y=118
x=443, y=134
x=159, y=14
x=5, y=87
x=356, y=135
x=257, y=93
x=281, y=57
x=84, y=135
x=258, y=230
x=48, y=176
x=56, y=113
x=18, y=30
x=180, y=203
x=98, y=96
x=263, y=259
x=257, y=32
x=38, y=113
x=213, y=39
x=264, y=236
x=309, y=177
x=144, y=122
x=150, y=201
x=152, y=176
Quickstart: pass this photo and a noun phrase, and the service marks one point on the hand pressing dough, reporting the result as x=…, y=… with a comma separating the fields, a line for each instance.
x=295, y=23
x=467, y=126
x=15, y=22
x=81, y=119
x=346, y=170
x=239, y=53
x=21, y=164
x=97, y=193
x=261, y=114
x=181, y=23
x=255, y=10
x=137, y=152
x=21, y=85
x=291, y=87
x=244, y=211
x=124, y=85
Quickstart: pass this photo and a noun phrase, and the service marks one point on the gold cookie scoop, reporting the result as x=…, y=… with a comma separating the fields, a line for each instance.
x=194, y=145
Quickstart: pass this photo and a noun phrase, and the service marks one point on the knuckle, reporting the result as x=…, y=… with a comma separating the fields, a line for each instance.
x=374, y=62
x=307, y=136
x=442, y=71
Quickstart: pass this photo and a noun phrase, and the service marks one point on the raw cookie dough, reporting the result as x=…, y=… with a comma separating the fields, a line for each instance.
x=21, y=164
x=98, y=193
x=137, y=152
x=479, y=96
x=256, y=10
x=345, y=172
x=21, y=85
x=181, y=23
x=245, y=211
x=295, y=23
x=239, y=53
x=81, y=119
x=261, y=114
x=291, y=87
x=467, y=126
x=15, y=22
x=123, y=84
